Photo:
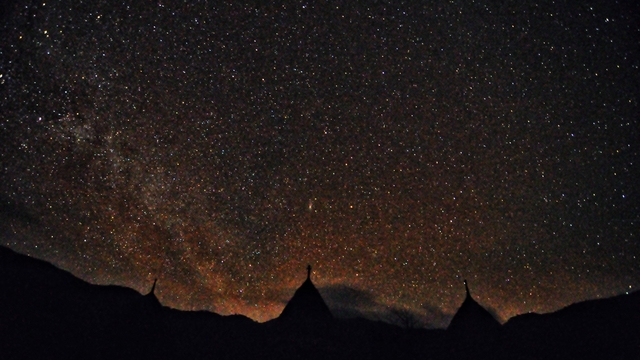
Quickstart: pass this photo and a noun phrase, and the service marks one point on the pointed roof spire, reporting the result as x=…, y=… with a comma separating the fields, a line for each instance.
x=153, y=288
x=466, y=287
x=308, y=272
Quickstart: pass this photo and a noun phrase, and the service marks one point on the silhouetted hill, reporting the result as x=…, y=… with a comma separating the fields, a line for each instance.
x=594, y=329
x=46, y=312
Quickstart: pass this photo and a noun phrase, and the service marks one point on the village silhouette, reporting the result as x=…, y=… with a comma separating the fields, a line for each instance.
x=48, y=313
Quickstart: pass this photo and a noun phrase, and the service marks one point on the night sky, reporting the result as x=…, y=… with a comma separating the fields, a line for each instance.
x=398, y=148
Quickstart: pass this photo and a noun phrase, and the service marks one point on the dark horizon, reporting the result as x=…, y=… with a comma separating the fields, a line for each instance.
x=344, y=303
x=69, y=318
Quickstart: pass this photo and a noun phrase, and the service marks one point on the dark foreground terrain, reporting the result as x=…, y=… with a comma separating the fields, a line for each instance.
x=47, y=313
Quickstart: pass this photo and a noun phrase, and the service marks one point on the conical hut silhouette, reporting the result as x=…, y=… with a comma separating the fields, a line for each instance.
x=472, y=321
x=306, y=303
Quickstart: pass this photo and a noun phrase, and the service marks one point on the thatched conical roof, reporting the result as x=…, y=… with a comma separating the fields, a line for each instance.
x=472, y=320
x=306, y=303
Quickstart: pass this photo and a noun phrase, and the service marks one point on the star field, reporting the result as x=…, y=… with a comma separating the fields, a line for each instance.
x=398, y=148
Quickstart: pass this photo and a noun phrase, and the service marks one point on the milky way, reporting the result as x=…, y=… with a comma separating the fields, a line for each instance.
x=396, y=148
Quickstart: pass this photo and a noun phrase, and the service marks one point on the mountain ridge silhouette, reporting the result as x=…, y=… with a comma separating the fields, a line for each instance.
x=47, y=312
